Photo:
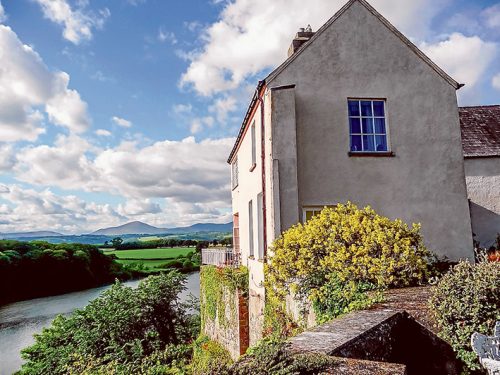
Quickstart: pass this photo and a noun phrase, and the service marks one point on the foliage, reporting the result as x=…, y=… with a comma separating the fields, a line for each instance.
x=214, y=281
x=37, y=268
x=344, y=245
x=335, y=298
x=121, y=327
x=272, y=357
x=467, y=300
x=174, y=360
x=209, y=357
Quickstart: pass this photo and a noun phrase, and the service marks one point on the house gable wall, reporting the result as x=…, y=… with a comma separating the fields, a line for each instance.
x=358, y=56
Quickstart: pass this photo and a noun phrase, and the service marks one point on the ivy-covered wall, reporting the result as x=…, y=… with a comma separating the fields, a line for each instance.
x=224, y=307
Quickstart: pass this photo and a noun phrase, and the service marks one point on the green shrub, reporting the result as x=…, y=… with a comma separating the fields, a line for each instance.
x=467, y=300
x=209, y=357
x=344, y=251
x=121, y=327
x=272, y=357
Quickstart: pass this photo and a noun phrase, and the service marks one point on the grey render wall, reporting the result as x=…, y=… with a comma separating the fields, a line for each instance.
x=483, y=188
x=358, y=57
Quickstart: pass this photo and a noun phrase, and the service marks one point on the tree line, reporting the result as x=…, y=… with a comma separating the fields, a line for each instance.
x=117, y=243
x=38, y=268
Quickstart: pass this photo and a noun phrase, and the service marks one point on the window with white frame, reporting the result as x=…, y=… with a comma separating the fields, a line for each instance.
x=254, y=145
x=309, y=212
x=250, y=229
x=367, y=126
x=234, y=173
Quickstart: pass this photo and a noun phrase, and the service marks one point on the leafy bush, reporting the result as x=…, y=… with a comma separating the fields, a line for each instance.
x=121, y=327
x=344, y=245
x=272, y=357
x=467, y=300
x=209, y=357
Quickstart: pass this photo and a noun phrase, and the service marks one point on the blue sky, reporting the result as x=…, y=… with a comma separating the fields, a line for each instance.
x=120, y=110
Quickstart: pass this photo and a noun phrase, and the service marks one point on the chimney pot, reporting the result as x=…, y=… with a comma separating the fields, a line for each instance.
x=303, y=35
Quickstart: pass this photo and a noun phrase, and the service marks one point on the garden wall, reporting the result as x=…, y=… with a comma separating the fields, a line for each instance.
x=224, y=308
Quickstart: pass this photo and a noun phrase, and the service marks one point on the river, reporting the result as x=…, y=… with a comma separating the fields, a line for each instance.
x=20, y=320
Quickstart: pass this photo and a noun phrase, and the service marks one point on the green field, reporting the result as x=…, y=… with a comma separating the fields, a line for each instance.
x=150, y=258
x=159, y=253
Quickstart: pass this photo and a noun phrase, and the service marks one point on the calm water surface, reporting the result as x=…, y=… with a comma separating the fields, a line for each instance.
x=20, y=320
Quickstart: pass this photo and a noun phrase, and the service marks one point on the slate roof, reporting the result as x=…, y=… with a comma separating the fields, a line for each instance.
x=480, y=131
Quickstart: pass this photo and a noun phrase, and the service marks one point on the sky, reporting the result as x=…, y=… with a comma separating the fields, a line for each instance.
x=120, y=110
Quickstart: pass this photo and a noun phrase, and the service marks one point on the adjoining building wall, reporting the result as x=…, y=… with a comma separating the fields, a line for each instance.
x=483, y=190
x=424, y=182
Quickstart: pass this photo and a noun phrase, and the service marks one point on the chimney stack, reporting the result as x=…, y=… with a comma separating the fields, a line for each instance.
x=302, y=36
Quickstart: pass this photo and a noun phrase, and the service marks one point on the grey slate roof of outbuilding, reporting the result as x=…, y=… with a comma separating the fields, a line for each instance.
x=480, y=131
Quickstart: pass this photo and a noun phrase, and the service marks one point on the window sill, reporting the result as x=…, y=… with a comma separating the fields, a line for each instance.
x=253, y=167
x=371, y=154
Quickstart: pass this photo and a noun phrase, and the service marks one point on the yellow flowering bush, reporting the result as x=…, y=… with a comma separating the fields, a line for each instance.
x=346, y=248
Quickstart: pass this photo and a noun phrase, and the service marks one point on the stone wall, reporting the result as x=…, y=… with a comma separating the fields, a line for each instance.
x=230, y=325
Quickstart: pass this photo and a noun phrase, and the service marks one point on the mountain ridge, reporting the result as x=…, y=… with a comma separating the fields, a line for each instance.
x=138, y=227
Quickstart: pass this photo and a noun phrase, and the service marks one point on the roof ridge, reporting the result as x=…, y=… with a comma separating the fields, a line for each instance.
x=480, y=106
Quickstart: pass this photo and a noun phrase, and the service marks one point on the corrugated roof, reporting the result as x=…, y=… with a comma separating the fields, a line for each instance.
x=480, y=130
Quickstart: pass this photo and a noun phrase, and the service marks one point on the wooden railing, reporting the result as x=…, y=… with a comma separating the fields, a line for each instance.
x=222, y=256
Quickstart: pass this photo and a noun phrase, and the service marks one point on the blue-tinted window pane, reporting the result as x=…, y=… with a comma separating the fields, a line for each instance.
x=380, y=125
x=367, y=125
x=381, y=143
x=355, y=125
x=353, y=108
x=366, y=108
x=356, y=143
x=368, y=143
x=378, y=108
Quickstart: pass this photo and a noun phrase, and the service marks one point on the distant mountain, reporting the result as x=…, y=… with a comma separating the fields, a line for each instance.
x=40, y=233
x=137, y=227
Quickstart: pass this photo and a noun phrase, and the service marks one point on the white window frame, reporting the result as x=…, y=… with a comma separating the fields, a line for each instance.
x=234, y=173
x=254, y=145
x=260, y=226
x=251, y=249
x=373, y=117
x=314, y=209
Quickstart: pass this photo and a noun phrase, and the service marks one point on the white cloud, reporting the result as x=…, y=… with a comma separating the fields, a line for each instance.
x=78, y=23
x=166, y=36
x=222, y=107
x=3, y=16
x=458, y=56
x=185, y=171
x=135, y=207
x=121, y=122
x=30, y=209
x=250, y=36
x=26, y=84
x=103, y=132
x=7, y=157
x=182, y=109
x=496, y=81
x=491, y=16
x=199, y=123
